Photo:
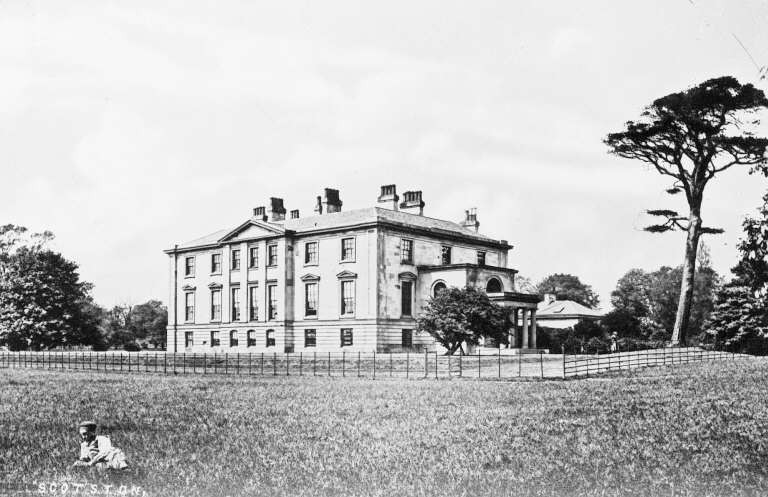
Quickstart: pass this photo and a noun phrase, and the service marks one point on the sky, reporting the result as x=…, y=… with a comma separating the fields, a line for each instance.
x=126, y=127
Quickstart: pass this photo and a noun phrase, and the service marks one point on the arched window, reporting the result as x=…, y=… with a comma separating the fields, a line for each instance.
x=493, y=286
x=233, y=338
x=251, y=338
x=439, y=287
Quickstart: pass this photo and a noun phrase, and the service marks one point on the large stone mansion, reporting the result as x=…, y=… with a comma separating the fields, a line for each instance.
x=335, y=281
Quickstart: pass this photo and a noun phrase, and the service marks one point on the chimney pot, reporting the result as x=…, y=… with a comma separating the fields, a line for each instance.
x=276, y=210
x=319, y=205
x=411, y=201
x=295, y=214
x=260, y=213
x=470, y=219
x=389, y=196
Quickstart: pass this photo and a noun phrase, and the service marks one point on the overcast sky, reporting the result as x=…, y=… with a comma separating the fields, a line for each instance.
x=126, y=127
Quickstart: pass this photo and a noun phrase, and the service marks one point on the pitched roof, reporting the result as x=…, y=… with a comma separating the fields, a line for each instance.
x=565, y=308
x=353, y=218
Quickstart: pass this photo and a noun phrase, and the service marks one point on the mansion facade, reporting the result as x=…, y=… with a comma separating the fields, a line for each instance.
x=335, y=281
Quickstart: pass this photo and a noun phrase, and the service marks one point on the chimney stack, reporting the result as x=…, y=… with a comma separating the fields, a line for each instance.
x=470, y=219
x=389, y=197
x=276, y=210
x=319, y=205
x=260, y=213
x=412, y=201
x=295, y=214
x=331, y=202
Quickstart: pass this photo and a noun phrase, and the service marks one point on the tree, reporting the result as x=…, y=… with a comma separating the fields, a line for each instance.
x=458, y=316
x=692, y=136
x=43, y=303
x=569, y=287
x=137, y=325
x=739, y=320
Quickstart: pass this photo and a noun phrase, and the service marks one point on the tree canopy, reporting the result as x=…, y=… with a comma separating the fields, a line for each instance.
x=691, y=136
x=458, y=316
x=569, y=287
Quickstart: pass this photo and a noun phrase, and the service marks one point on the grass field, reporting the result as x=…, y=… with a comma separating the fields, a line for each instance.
x=697, y=429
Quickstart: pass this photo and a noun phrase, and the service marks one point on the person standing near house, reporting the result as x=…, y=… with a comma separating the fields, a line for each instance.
x=97, y=450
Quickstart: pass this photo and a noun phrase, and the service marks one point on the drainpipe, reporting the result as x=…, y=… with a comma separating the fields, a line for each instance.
x=175, y=297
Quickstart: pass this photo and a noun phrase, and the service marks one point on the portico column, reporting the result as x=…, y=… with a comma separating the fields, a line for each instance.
x=525, y=328
x=533, y=328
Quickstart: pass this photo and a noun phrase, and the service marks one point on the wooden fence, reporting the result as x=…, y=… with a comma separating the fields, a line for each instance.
x=344, y=364
x=584, y=366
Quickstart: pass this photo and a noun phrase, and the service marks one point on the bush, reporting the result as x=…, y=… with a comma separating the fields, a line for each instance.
x=131, y=347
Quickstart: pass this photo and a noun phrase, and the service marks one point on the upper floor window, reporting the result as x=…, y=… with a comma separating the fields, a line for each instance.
x=272, y=300
x=253, y=303
x=270, y=338
x=233, y=338
x=216, y=304
x=406, y=289
x=253, y=257
x=215, y=263
x=235, y=259
x=346, y=337
x=446, y=255
x=406, y=251
x=480, y=258
x=189, y=266
x=272, y=255
x=215, y=342
x=493, y=286
x=310, y=253
x=347, y=297
x=235, y=304
x=347, y=249
x=189, y=307
x=310, y=299
x=310, y=338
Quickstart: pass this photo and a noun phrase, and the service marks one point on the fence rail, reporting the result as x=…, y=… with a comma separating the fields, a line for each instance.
x=344, y=364
x=360, y=364
x=577, y=366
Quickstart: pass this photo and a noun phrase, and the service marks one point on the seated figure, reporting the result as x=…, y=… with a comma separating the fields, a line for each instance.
x=98, y=451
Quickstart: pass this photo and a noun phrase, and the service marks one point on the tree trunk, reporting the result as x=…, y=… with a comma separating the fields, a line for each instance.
x=686, y=285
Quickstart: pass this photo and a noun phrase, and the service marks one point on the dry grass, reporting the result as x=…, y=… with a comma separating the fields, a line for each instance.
x=697, y=429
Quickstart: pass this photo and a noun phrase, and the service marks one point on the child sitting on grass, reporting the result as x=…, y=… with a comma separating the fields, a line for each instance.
x=97, y=451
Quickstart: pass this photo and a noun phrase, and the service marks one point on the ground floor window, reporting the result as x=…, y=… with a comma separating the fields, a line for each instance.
x=233, y=338
x=346, y=337
x=251, y=338
x=215, y=342
x=188, y=339
x=407, y=339
x=270, y=338
x=310, y=338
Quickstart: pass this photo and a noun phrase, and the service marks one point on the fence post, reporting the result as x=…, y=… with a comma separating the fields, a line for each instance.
x=426, y=363
x=479, y=367
x=520, y=362
x=374, y=364
x=314, y=364
x=274, y=364
x=562, y=349
x=287, y=364
x=358, y=364
x=436, y=364
x=237, y=363
x=498, y=354
x=250, y=363
x=329, y=364
x=301, y=363
x=541, y=362
x=461, y=354
x=407, y=362
x=344, y=363
x=390, y=364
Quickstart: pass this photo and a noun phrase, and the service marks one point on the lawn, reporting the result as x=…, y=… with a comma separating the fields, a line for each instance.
x=696, y=429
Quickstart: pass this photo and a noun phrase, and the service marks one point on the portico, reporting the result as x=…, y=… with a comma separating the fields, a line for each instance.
x=522, y=317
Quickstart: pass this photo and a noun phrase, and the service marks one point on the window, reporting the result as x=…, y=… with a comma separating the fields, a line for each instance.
x=310, y=253
x=235, y=304
x=215, y=263
x=253, y=303
x=446, y=255
x=270, y=338
x=346, y=337
x=310, y=338
x=235, y=260
x=347, y=249
x=272, y=299
x=310, y=299
x=216, y=305
x=188, y=339
x=251, y=338
x=189, y=307
x=406, y=294
x=189, y=266
x=233, y=338
x=406, y=251
x=493, y=286
x=407, y=339
x=439, y=287
x=480, y=258
x=272, y=255
x=253, y=257
x=348, y=297
x=215, y=339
